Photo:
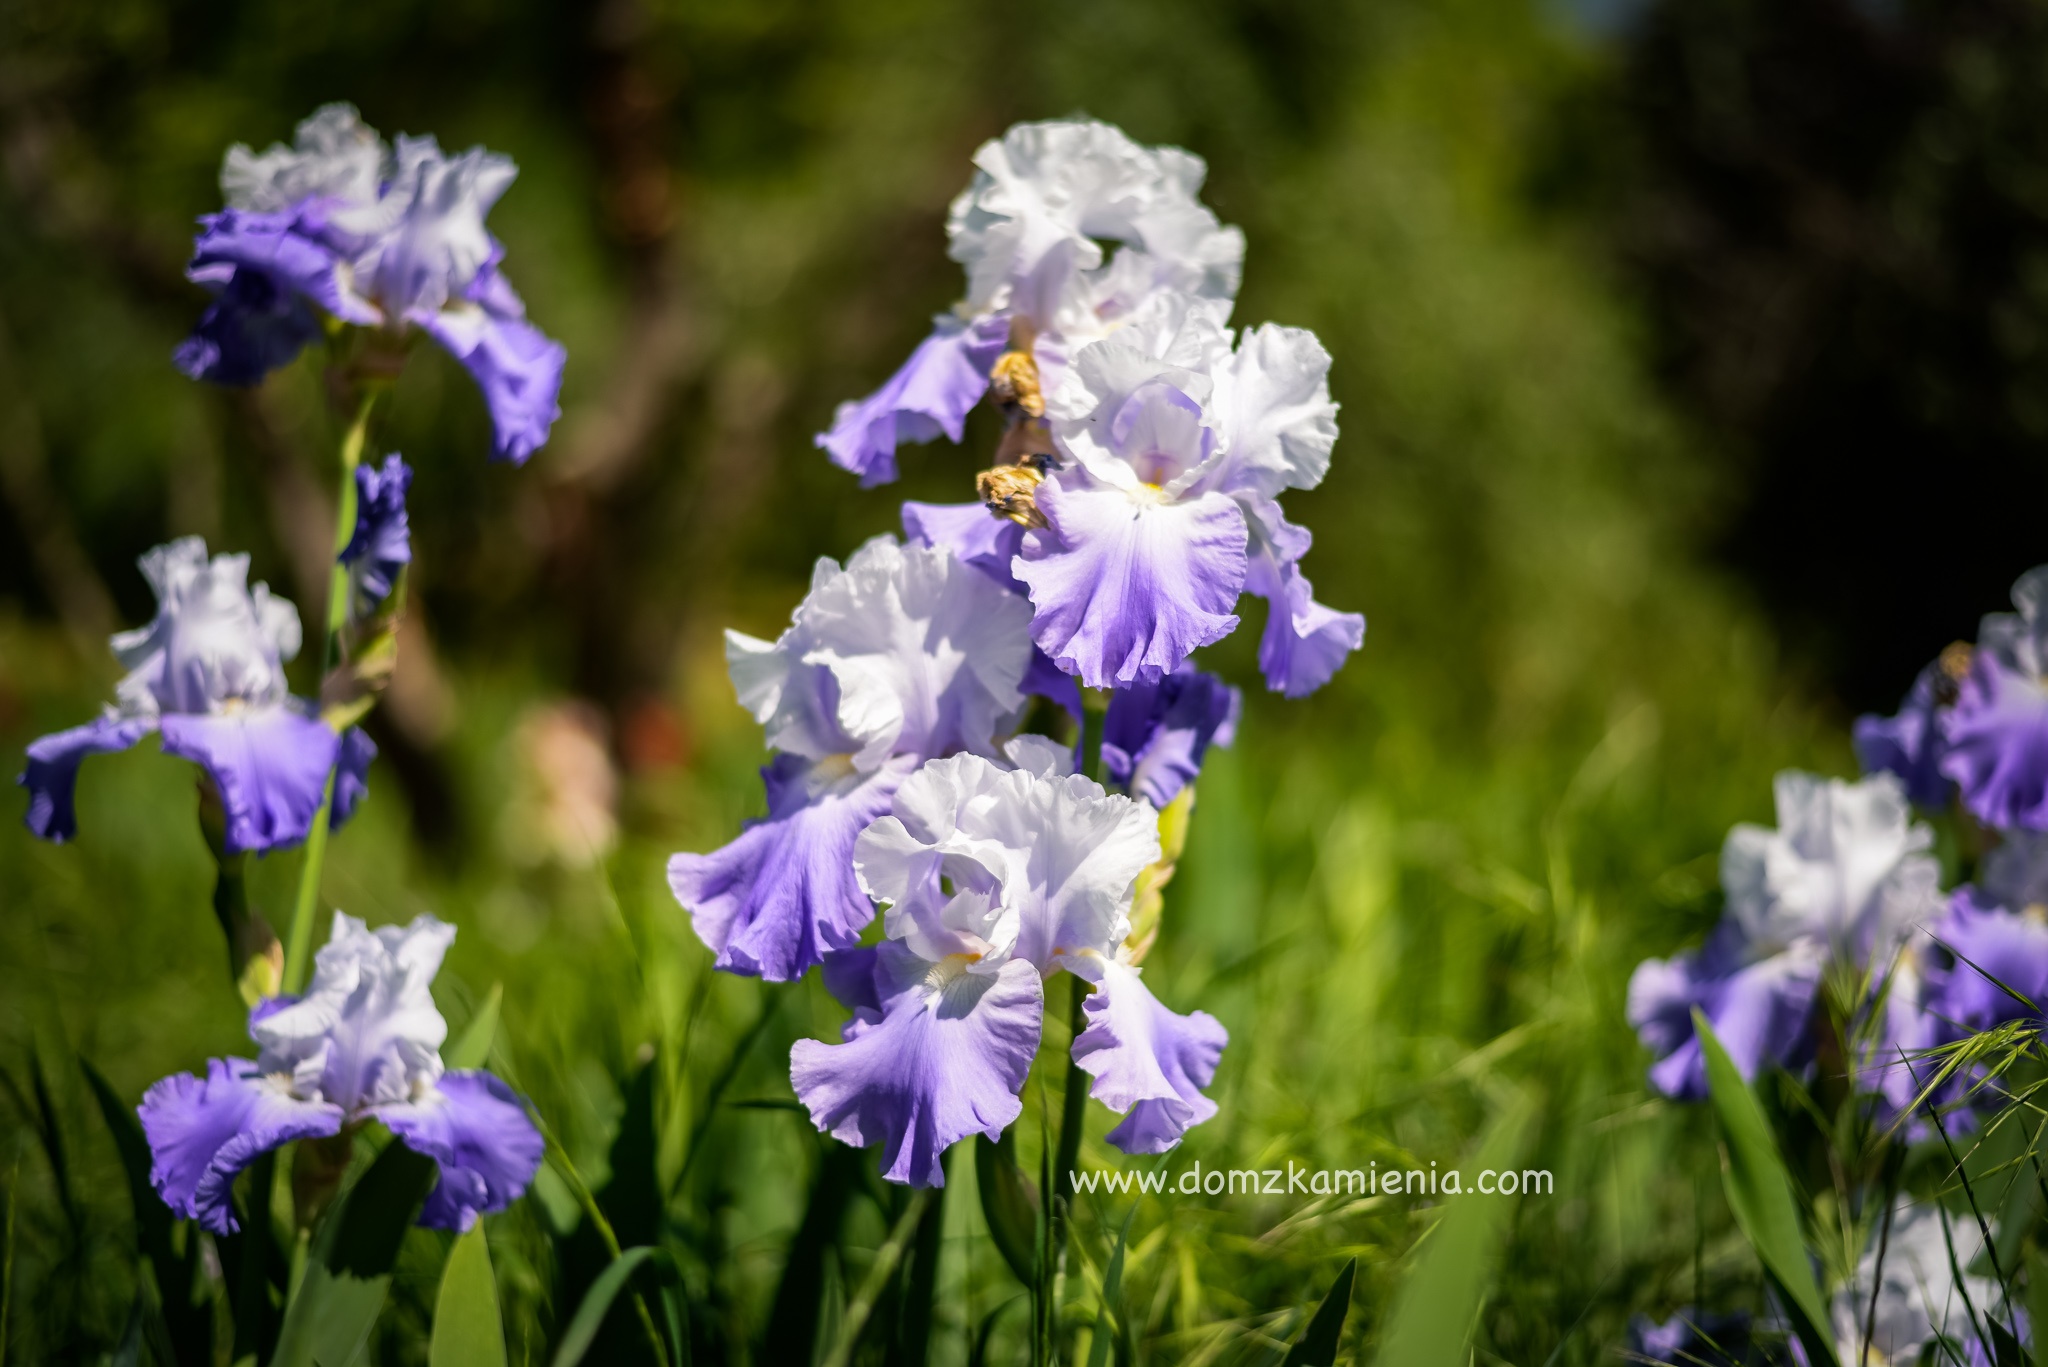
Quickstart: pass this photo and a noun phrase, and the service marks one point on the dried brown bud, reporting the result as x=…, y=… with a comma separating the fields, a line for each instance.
x=1011, y=491
x=1014, y=382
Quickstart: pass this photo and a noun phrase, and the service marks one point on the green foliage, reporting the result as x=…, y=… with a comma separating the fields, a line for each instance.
x=348, y=1271
x=467, y=1329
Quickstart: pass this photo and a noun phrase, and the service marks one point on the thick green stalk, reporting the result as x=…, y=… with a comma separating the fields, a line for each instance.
x=299, y=942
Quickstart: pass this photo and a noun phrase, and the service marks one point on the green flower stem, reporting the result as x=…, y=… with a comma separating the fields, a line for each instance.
x=299, y=942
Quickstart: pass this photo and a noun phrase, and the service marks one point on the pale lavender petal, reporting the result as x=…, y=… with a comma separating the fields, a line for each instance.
x=518, y=367
x=976, y=536
x=1149, y=1064
x=202, y=1131
x=51, y=775
x=1909, y=743
x=1155, y=734
x=946, y=1060
x=1305, y=643
x=1125, y=589
x=929, y=395
x=1997, y=741
x=476, y=1128
x=270, y=765
x=381, y=544
x=1762, y=1011
x=351, y=775
x=780, y=897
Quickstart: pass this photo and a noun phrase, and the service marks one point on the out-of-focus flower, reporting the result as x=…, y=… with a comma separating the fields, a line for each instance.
x=208, y=676
x=381, y=545
x=387, y=239
x=904, y=655
x=1692, y=1339
x=1154, y=735
x=564, y=807
x=1029, y=230
x=1917, y=1296
x=1844, y=878
x=1909, y=743
x=1996, y=735
x=993, y=879
x=362, y=1044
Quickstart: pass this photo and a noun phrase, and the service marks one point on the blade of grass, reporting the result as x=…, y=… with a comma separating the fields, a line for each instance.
x=468, y=1331
x=1760, y=1194
x=1317, y=1346
x=914, y=1332
x=1109, y=1321
x=884, y=1266
x=473, y=1050
x=792, y=1334
x=597, y=1302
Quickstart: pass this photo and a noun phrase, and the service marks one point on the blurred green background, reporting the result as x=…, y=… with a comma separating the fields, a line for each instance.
x=1688, y=357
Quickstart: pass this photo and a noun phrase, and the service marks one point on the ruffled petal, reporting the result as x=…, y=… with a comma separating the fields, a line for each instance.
x=1762, y=1012
x=1125, y=589
x=477, y=1129
x=946, y=1060
x=1997, y=742
x=351, y=775
x=976, y=536
x=783, y=895
x=1149, y=1064
x=1305, y=643
x=929, y=395
x=1909, y=743
x=516, y=365
x=1982, y=951
x=51, y=775
x=1155, y=735
x=270, y=765
x=283, y=248
x=381, y=543
x=253, y=327
x=202, y=1131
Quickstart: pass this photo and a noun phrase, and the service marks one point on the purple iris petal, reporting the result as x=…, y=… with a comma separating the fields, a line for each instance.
x=518, y=367
x=1155, y=734
x=251, y=329
x=928, y=396
x=946, y=1060
x=1304, y=642
x=351, y=775
x=1125, y=589
x=477, y=1129
x=283, y=248
x=381, y=544
x=51, y=775
x=1761, y=1011
x=1149, y=1064
x=1691, y=1338
x=780, y=897
x=202, y=1131
x=1997, y=744
x=1909, y=743
x=270, y=765
x=849, y=976
x=1992, y=950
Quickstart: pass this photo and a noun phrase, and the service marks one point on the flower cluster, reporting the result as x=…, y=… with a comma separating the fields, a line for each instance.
x=338, y=228
x=362, y=1044
x=208, y=677
x=1850, y=880
x=1134, y=498
x=1147, y=444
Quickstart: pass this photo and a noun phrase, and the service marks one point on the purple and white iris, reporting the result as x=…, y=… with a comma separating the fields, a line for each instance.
x=362, y=1044
x=1845, y=878
x=1029, y=230
x=993, y=879
x=338, y=226
x=904, y=655
x=1906, y=1292
x=1154, y=735
x=208, y=677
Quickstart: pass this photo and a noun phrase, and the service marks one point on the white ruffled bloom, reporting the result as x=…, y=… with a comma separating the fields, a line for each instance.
x=1847, y=867
x=1917, y=1293
x=334, y=154
x=367, y=1031
x=904, y=651
x=1005, y=864
x=216, y=643
x=1028, y=228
